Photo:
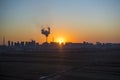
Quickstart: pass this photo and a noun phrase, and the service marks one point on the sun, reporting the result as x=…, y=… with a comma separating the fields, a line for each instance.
x=61, y=40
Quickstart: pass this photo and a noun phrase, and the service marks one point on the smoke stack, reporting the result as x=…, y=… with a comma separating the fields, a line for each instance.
x=46, y=31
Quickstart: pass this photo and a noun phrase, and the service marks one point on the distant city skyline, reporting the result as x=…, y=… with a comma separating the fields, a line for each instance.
x=69, y=20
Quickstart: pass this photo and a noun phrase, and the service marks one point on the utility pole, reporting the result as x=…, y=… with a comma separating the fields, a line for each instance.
x=4, y=40
x=52, y=39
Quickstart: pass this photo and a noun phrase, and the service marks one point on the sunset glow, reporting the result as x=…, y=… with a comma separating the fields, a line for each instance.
x=85, y=20
x=61, y=40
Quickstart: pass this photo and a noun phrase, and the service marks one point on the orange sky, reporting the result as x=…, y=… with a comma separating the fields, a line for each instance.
x=73, y=20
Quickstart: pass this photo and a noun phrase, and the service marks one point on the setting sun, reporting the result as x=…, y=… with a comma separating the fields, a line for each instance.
x=61, y=40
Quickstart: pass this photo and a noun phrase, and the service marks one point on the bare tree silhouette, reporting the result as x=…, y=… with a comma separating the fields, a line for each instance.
x=46, y=31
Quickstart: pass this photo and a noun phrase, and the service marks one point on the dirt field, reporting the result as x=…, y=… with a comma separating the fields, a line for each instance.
x=61, y=65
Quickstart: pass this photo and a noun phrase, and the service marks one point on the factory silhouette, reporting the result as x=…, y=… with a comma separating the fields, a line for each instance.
x=35, y=46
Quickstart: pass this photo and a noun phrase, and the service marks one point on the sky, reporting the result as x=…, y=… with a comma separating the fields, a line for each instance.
x=71, y=20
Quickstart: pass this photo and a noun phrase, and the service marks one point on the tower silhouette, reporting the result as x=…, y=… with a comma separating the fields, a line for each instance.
x=46, y=31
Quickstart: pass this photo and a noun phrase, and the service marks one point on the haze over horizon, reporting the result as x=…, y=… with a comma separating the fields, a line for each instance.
x=72, y=20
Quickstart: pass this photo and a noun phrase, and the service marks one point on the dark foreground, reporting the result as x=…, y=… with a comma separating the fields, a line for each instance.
x=60, y=65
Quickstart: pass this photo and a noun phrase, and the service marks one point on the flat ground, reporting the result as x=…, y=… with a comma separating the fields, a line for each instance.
x=60, y=65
